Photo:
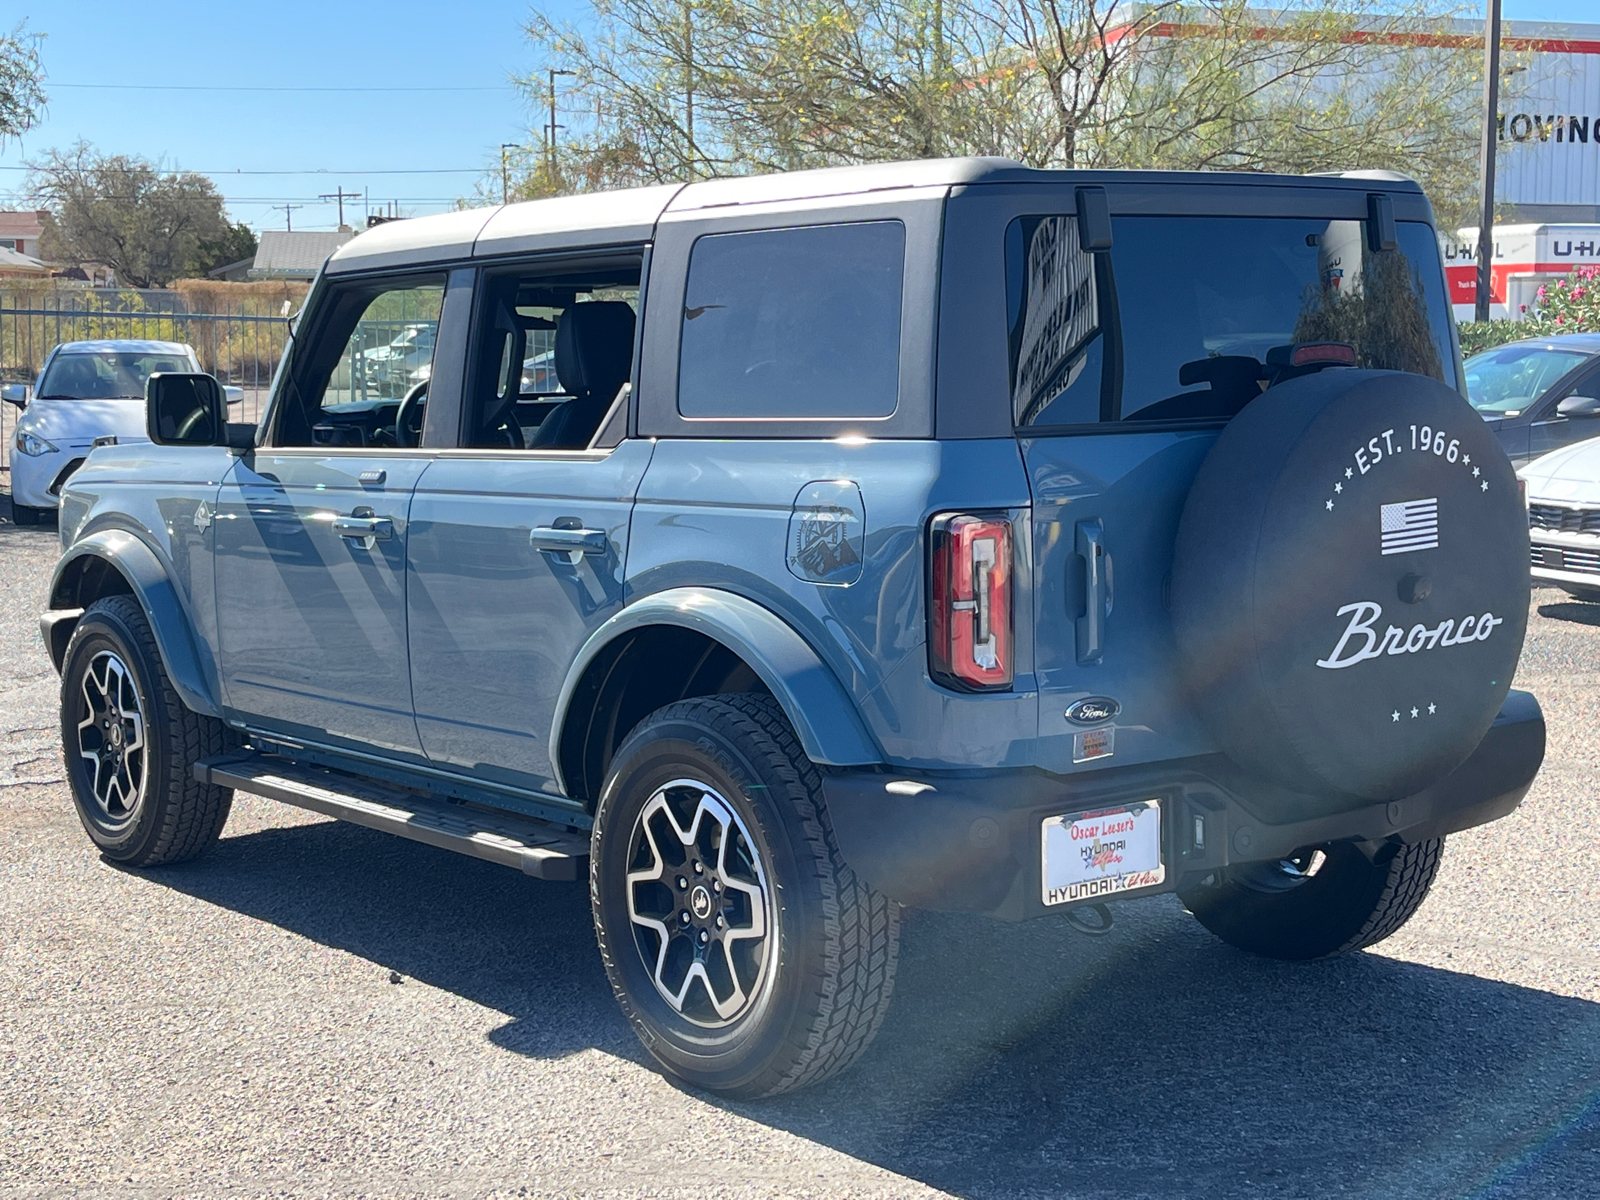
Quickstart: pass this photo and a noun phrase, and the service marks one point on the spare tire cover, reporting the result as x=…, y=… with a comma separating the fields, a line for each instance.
x=1350, y=583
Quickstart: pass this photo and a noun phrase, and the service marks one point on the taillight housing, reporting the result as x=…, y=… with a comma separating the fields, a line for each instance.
x=969, y=602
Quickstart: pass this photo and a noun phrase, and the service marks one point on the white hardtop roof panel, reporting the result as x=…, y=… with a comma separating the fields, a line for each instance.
x=419, y=240
x=594, y=218
x=838, y=181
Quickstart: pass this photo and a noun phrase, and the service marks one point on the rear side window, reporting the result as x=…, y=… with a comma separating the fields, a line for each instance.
x=800, y=323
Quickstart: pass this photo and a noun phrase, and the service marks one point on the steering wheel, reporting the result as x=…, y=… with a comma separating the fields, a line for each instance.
x=408, y=421
x=186, y=426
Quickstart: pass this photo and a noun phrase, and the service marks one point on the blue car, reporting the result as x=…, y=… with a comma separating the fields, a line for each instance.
x=1538, y=394
x=948, y=535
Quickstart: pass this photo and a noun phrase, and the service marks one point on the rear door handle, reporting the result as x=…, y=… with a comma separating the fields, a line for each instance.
x=577, y=541
x=368, y=529
x=1089, y=540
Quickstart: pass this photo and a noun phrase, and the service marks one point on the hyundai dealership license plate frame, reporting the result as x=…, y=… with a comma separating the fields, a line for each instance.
x=1107, y=852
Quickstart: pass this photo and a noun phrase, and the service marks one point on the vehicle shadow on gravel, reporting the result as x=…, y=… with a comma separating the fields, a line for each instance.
x=1573, y=610
x=1025, y=1060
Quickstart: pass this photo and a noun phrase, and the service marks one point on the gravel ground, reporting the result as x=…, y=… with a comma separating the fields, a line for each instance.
x=228, y=1027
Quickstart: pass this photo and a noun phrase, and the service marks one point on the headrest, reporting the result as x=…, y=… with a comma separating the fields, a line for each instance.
x=594, y=347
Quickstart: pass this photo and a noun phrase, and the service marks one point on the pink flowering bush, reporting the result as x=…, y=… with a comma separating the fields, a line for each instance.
x=1569, y=305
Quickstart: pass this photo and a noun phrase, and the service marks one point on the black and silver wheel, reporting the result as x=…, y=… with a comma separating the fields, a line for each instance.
x=1317, y=903
x=130, y=744
x=745, y=953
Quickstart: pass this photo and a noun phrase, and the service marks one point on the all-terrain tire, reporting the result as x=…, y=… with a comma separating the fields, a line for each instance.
x=1351, y=903
x=169, y=816
x=732, y=767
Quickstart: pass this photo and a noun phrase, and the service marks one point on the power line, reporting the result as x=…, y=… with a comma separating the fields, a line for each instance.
x=201, y=87
x=319, y=171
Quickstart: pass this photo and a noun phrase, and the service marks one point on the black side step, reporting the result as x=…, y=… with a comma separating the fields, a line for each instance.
x=534, y=847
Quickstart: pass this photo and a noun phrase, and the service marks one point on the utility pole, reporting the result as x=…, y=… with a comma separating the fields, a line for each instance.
x=688, y=80
x=553, y=126
x=1491, y=135
x=288, y=211
x=505, y=172
x=341, y=196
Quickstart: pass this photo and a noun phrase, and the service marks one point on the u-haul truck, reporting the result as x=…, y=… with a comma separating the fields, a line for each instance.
x=1525, y=257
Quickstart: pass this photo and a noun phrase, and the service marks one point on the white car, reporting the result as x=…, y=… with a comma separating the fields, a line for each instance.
x=1564, y=518
x=87, y=390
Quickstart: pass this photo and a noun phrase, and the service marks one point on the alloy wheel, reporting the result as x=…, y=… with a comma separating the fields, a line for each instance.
x=700, y=904
x=111, y=739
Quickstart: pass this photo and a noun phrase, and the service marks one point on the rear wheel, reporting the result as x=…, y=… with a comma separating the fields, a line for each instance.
x=748, y=957
x=1317, y=903
x=130, y=744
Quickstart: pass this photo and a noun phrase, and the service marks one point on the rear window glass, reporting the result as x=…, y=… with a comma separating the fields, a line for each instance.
x=800, y=323
x=1200, y=303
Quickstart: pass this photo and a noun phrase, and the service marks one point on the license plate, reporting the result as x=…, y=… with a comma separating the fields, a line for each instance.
x=1088, y=856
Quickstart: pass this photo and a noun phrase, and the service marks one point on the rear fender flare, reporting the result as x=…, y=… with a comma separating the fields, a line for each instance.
x=819, y=708
x=151, y=584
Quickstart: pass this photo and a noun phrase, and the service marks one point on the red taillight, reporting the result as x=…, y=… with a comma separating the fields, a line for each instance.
x=970, y=602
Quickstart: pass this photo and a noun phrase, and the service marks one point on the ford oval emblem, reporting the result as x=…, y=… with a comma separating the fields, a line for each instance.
x=1092, y=710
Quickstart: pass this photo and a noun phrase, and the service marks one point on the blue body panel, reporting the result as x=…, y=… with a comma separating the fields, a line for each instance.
x=312, y=625
x=718, y=513
x=494, y=622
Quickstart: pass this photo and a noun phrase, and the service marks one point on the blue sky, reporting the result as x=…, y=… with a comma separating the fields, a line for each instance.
x=306, y=143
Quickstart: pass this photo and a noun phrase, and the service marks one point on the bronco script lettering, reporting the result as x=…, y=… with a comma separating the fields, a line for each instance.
x=1364, y=615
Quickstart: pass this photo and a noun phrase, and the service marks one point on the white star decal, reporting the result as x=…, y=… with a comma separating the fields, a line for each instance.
x=1432, y=708
x=1484, y=486
x=1330, y=505
x=1466, y=459
x=1394, y=716
x=1348, y=472
x=1413, y=714
x=1338, y=487
x=1475, y=472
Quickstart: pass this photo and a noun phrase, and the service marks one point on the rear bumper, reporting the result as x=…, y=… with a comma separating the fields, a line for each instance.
x=971, y=843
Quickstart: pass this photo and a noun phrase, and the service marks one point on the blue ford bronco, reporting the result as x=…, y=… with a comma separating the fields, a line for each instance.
x=780, y=552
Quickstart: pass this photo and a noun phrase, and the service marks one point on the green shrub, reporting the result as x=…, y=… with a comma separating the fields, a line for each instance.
x=1477, y=336
x=1570, y=304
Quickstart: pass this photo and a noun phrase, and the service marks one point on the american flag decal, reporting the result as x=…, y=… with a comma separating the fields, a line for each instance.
x=1410, y=525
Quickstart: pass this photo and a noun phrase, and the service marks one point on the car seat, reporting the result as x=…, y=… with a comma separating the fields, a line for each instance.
x=594, y=358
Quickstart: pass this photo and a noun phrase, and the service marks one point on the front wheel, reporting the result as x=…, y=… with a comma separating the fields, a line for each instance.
x=22, y=514
x=748, y=957
x=130, y=745
x=1317, y=903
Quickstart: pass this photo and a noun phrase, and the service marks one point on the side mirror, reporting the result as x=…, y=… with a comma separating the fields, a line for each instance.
x=1579, y=406
x=15, y=393
x=183, y=409
x=235, y=395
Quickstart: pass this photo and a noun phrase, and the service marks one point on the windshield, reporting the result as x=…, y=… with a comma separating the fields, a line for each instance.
x=1505, y=381
x=106, y=375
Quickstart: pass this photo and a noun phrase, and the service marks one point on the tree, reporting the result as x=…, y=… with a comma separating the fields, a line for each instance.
x=685, y=89
x=148, y=225
x=22, y=97
x=237, y=242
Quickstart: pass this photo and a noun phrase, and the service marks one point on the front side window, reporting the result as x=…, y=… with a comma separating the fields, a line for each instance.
x=1509, y=380
x=800, y=323
x=107, y=375
x=370, y=355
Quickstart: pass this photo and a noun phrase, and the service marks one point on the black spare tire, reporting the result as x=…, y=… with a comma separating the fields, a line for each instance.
x=1350, y=584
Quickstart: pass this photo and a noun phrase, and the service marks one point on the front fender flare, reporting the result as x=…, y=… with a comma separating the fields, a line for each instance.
x=152, y=586
x=818, y=707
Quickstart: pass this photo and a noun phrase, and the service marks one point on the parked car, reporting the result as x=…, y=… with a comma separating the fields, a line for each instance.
x=86, y=391
x=798, y=605
x=1538, y=394
x=1564, y=518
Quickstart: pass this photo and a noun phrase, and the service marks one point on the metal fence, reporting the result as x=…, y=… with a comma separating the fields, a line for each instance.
x=239, y=346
